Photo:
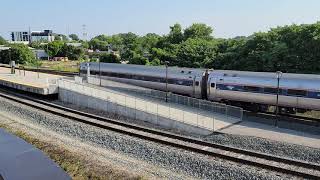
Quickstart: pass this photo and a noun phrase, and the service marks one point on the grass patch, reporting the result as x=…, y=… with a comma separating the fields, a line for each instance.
x=67, y=66
x=312, y=114
x=75, y=165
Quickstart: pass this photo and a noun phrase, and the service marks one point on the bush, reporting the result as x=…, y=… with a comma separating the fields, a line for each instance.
x=19, y=53
x=109, y=58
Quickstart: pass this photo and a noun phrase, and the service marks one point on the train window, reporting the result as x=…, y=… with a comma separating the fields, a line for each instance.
x=213, y=85
x=297, y=92
x=251, y=88
x=271, y=90
x=197, y=83
x=220, y=86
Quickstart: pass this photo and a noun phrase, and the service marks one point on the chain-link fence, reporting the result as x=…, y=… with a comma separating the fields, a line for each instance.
x=205, y=105
x=154, y=111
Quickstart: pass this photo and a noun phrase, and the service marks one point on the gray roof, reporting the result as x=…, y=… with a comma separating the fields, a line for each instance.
x=20, y=160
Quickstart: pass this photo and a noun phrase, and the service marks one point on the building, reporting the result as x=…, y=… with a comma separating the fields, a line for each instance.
x=20, y=36
x=44, y=36
x=26, y=37
x=40, y=54
x=75, y=44
x=3, y=47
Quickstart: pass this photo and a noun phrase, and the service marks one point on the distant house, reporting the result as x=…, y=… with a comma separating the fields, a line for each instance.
x=40, y=54
x=60, y=59
x=74, y=44
x=2, y=47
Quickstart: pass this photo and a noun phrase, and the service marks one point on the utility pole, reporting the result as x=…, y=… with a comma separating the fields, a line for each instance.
x=279, y=74
x=84, y=32
x=100, y=72
x=48, y=51
x=166, y=63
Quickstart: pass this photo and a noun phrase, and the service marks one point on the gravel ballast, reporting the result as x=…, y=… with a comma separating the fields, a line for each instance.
x=194, y=165
x=276, y=148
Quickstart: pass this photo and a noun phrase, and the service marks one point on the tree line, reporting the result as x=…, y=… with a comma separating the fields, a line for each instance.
x=292, y=48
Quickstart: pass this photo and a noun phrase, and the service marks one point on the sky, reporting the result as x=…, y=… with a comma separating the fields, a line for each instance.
x=229, y=18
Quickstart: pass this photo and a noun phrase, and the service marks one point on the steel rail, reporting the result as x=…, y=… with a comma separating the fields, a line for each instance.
x=49, y=106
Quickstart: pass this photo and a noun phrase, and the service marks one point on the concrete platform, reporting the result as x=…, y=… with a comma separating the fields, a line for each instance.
x=38, y=83
x=154, y=111
x=248, y=128
x=20, y=160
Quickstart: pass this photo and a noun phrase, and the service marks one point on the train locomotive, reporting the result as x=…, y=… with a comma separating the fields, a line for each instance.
x=256, y=91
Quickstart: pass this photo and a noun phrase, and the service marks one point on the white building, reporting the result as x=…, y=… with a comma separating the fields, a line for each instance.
x=46, y=36
x=20, y=36
x=26, y=37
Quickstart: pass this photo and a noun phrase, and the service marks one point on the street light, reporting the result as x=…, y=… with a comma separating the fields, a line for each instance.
x=279, y=75
x=166, y=63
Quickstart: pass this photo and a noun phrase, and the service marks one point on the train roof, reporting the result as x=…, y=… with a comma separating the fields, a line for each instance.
x=142, y=69
x=264, y=74
x=178, y=71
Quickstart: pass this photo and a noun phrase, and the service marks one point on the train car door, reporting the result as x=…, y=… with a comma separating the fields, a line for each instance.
x=212, y=83
x=197, y=86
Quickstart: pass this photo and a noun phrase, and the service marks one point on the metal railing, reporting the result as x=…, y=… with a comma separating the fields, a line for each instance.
x=205, y=105
x=148, y=109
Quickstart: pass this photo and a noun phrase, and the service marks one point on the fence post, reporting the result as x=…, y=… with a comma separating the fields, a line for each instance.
x=183, y=116
x=135, y=108
x=170, y=111
x=213, y=124
x=157, y=114
x=198, y=113
x=227, y=112
x=125, y=106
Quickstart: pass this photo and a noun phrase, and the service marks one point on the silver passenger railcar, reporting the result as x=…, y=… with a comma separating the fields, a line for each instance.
x=180, y=80
x=252, y=90
x=260, y=88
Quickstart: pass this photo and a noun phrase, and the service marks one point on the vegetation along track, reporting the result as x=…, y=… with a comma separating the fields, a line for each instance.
x=260, y=160
x=47, y=71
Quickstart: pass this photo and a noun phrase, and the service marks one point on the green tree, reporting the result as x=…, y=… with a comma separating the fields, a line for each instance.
x=109, y=58
x=97, y=44
x=60, y=37
x=175, y=36
x=85, y=44
x=54, y=48
x=116, y=42
x=154, y=62
x=196, y=53
x=38, y=45
x=2, y=41
x=72, y=52
x=20, y=53
x=74, y=37
x=138, y=59
x=198, y=30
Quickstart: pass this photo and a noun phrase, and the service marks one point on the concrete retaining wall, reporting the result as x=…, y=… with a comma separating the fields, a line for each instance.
x=93, y=101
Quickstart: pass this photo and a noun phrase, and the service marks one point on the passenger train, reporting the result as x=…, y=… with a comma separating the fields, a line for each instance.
x=252, y=90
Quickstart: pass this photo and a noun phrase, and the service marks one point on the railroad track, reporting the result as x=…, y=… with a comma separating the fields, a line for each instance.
x=251, y=158
x=285, y=117
x=267, y=115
